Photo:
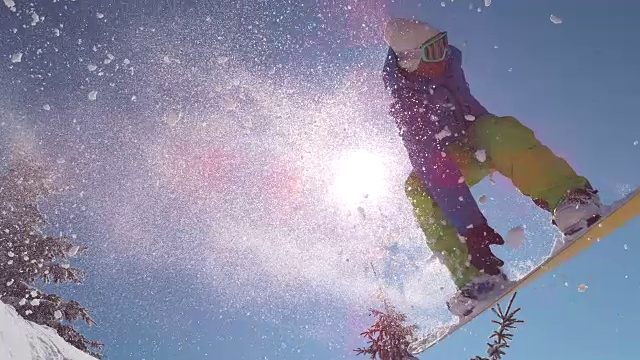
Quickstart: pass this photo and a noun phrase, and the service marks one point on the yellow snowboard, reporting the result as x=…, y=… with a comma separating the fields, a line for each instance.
x=616, y=216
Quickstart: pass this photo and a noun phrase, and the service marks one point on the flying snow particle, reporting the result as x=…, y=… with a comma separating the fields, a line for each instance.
x=482, y=199
x=91, y=67
x=481, y=155
x=57, y=314
x=626, y=247
x=443, y=134
x=34, y=293
x=22, y=301
x=443, y=4
x=92, y=95
x=16, y=58
x=10, y=4
x=11, y=254
x=487, y=3
x=46, y=107
x=109, y=59
x=10, y=282
x=173, y=117
x=582, y=287
x=35, y=18
x=65, y=266
x=555, y=19
x=479, y=9
x=73, y=250
x=469, y=117
x=99, y=15
x=515, y=237
x=35, y=302
x=635, y=142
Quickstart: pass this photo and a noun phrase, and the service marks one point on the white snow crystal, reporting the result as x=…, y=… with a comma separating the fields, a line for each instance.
x=57, y=314
x=443, y=134
x=99, y=15
x=469, y=117
x=92, y=95
x=487, y=3
x=11, y=254
x=64, y=266
x=10, y=282
x=16, y=58
x=626, y=247
x=555, y=19
x=515, y=237
x=481, y=155
x=173, y=117
x=22, y=301
x=10, y=4
x=34, y=293
x=73, y=251
x=56, y=32
x=91, y=67
x=46, y=107
x=35, y=18
x=582, y=287
x=126, y=61
x=35, y=302
x=443, y=4
x=635, y=142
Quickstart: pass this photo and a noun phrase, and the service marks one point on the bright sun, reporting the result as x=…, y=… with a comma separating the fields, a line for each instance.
x=359, y=174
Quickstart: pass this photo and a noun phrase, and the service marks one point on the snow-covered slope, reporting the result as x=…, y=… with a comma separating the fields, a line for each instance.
x=23, y=340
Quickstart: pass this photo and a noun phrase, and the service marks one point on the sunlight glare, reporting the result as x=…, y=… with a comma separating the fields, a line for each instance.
x=359, y=174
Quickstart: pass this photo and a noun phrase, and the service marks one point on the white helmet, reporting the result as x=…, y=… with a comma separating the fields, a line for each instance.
x=404, y=35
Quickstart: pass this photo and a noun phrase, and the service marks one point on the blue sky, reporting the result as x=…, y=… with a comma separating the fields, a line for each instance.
x=203, y=172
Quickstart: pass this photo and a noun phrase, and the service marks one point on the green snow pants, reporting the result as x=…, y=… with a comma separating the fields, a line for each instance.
x=512, y=150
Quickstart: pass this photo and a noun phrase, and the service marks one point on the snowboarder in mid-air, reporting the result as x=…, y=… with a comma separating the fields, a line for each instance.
x=444, y=129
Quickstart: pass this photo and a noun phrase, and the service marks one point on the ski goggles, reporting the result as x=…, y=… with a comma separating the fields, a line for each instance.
x=435, y=49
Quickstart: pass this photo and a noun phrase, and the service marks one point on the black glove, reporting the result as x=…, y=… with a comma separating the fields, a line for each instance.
x=478, y=240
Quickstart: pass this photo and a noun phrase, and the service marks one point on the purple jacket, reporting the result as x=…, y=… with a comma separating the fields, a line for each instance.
x=432, y=114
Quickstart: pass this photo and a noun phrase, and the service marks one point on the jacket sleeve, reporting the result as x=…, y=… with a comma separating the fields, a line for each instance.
x=441, y=177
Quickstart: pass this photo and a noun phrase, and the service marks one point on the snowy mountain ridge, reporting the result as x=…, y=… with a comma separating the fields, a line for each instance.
x=23, y=340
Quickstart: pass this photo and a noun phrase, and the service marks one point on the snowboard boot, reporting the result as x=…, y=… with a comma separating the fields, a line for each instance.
x=578, y=210
x=482, y=290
